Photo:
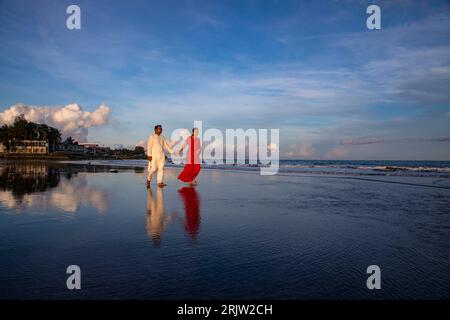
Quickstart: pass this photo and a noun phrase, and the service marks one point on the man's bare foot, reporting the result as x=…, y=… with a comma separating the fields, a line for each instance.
x=161, y=184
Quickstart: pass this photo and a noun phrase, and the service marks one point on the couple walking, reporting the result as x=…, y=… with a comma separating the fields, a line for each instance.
x=156, y=145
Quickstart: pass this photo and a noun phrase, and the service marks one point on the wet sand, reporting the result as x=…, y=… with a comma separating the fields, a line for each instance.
x=236, y=235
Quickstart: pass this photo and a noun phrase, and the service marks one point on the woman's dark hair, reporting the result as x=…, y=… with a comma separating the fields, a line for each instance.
x=193, y=129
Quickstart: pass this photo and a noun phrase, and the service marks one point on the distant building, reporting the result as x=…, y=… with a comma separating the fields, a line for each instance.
x=71, y=146
x=88, y=144
x=94, y=148
x=91, y=148
x=27, y=147
x=104, y=150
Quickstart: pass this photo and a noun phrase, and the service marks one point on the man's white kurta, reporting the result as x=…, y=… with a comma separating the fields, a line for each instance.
x=155, y=148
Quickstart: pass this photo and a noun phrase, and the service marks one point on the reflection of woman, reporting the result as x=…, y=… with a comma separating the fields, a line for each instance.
x=192, y=210
x=192, y=167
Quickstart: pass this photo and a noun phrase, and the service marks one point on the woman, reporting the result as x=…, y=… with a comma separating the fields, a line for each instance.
x=192, y=167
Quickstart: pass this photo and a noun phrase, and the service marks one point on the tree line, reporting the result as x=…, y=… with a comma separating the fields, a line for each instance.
x=22, y=129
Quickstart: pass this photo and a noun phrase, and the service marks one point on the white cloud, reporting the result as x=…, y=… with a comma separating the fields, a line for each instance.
x=306, y=150
x=337, y=153
x=71, y=119
x=141, y=143
x=272, y=147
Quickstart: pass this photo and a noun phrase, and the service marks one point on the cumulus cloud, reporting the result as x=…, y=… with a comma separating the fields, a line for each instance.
x=306, y=150
x=141, y=143
x=70, y=119
x=337, y=152
x=272, y=147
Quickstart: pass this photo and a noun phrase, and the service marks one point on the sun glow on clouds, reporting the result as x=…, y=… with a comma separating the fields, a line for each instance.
x=340, y=82
x=70, y=119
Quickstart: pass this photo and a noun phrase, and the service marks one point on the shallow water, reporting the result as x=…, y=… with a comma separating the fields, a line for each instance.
x=396, y=168
x=236, y=235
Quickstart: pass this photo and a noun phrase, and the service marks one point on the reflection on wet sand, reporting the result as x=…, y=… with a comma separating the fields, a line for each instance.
x=26, y=178
x=157, y=221
x=25, y=185
x=70, y=195
x=191, y=202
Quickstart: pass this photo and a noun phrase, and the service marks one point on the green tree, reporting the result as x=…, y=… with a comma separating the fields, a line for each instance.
x=22, y=129
x=54, y=138
x=139, y=150
x=69, y=140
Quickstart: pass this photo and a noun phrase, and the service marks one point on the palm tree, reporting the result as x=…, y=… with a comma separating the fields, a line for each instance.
x=54, y=138
x=22, y=129
x=69, y=140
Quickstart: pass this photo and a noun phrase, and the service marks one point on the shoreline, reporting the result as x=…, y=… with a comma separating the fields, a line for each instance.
x=61, y=156
x=416, y=181
x=307, y=170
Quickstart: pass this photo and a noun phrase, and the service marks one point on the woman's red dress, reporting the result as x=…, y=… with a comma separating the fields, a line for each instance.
x=192, y=167
x=191, y=201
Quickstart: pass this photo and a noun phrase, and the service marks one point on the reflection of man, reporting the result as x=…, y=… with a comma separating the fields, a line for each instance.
x=155, y=216
x=155, y=154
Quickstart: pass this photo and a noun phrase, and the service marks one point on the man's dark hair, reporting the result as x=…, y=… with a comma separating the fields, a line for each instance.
x=158, y=126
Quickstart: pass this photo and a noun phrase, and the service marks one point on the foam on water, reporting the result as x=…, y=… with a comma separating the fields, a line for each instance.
x=336, y=167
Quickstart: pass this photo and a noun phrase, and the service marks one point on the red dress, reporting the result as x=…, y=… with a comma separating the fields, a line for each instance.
x=191, y=201
x=192, y=167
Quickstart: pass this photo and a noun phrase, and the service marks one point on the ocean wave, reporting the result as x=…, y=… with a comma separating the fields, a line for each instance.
x=415, y=169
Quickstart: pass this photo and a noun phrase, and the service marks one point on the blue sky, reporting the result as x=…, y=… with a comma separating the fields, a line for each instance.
x=310, y=68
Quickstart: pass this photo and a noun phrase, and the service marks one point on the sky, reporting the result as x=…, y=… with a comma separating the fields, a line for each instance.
x=312, y=69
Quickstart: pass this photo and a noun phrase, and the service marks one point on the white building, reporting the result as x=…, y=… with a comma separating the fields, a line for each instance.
x=27, y=147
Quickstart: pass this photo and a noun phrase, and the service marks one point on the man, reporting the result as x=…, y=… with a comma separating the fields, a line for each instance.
x=155, y=155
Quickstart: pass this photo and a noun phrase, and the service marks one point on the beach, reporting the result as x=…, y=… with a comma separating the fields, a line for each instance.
x=237, y=235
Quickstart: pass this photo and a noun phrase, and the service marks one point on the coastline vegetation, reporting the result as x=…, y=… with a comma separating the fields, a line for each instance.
x=22, y=130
